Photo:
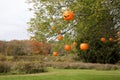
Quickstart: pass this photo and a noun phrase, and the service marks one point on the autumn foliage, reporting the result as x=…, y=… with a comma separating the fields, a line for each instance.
x=24, y=47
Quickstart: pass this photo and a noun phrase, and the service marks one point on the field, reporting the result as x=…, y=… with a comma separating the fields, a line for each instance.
x=67, y=74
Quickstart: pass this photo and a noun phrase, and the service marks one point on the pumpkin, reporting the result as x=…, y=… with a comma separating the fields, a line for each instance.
x=84, y=46
x=110, y=39
x=53, y=28
x=55, y=53
x=67, y=47
x=60, y=37
x=102, y=39
x=68, y=15
x=74, y=44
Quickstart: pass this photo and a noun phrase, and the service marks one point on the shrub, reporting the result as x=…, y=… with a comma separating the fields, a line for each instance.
x=5, y=67
x=29, y=58
x=78, y=65
x=22, y=67
x=2, y=57
x=29, y=67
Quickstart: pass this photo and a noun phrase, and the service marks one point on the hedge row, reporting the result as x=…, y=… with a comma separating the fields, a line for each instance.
x=22, y=67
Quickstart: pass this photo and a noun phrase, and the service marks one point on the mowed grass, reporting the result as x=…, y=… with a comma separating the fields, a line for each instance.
x=67, y=74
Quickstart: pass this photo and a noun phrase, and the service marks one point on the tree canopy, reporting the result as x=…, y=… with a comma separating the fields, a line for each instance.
x=93, y=19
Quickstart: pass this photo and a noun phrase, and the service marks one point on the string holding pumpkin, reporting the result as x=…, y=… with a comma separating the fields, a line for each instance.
x=68, y=15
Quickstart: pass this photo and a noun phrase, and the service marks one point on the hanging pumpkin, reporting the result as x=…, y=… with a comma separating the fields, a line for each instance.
x=55, y=53
x=110, y=39
x=102, y=39
x=60, y=37
x=53, y=28
x=74, y=44
x=84, y=46
x=68, y=15
x=67, y=47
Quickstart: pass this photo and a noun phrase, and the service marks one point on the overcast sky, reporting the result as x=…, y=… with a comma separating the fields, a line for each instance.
x=14, y=15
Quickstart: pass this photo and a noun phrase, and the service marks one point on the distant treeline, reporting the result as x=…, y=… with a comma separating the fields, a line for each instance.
x=24, y=47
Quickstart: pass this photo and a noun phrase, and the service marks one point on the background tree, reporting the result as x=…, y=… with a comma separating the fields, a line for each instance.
x=2, y=47
x=15, y=47
x=39, y=48
x=93, y=19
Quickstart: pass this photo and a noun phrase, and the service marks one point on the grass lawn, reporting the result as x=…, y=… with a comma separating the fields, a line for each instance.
x=67, y=74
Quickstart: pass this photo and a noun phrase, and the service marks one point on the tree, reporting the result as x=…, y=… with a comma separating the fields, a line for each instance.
x=15, y=47
x=98, y=22
x=38, y=48
x=2, y=47
x=93, y=19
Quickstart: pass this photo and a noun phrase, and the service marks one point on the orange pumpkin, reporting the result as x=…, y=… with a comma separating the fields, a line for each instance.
x=84, y=46
x=102, y=39
x=110, y=39
x=60, y=37
x=55, y=53
x=67, y=47
x=68, y=15
x=74, y=44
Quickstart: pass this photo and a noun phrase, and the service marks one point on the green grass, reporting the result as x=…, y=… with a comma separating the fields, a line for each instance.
x=67, y=74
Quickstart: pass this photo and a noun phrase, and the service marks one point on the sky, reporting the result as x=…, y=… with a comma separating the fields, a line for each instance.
x=14, y=15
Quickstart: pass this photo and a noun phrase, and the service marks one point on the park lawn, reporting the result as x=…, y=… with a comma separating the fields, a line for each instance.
x=67, y=74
